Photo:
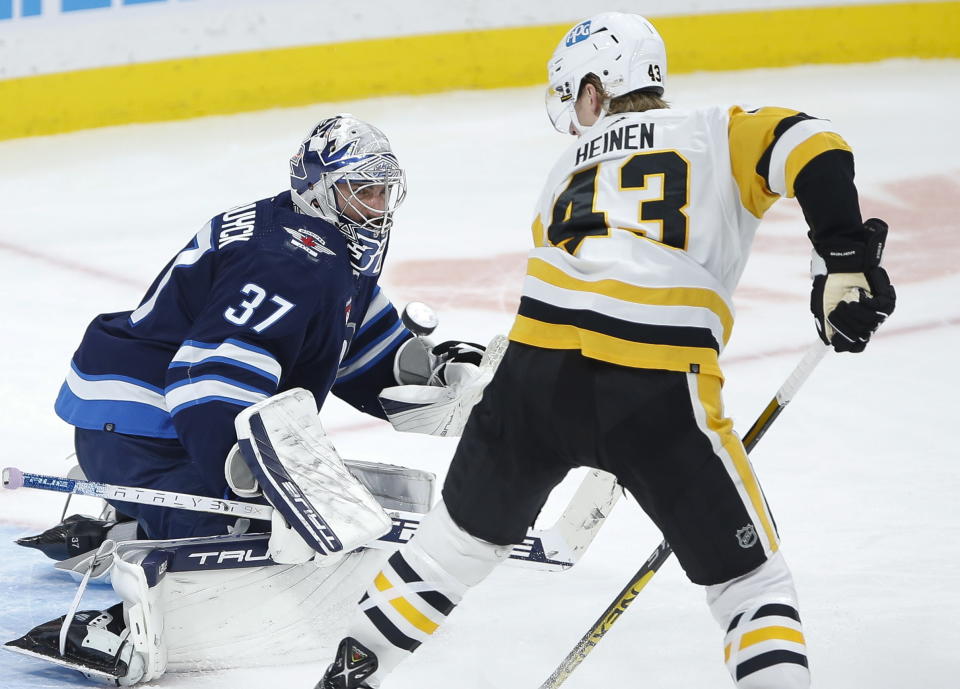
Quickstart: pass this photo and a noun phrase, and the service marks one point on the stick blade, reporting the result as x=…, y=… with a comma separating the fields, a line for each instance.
x=581, y=521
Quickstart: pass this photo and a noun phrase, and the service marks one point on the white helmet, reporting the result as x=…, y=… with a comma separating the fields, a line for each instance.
x=623, y=50
x=346, y=151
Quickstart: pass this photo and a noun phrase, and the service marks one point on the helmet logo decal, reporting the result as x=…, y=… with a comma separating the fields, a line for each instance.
x=622, y=50
x=297, y=169
x=338, y=144
x=580, y=32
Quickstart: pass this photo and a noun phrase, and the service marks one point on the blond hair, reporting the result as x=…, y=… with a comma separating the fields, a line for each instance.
x=635, y=101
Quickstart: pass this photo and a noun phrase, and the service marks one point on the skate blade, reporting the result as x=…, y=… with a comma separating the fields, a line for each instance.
x=86, y=669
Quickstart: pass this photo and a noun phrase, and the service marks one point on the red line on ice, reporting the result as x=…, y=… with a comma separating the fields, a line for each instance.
x=887, y=331
x=70, y=265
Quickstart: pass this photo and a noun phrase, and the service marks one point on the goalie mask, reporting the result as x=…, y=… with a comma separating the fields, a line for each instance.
x=345, y=173
x=623, y=50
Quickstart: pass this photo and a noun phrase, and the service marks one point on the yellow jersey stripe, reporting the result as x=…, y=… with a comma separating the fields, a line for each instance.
x=613, y=349
x=382, y=583
x=770, y=634
x=414, y=616
x=750, y=135
x=652, y=296
x=807, y=151
x=709, y=391
x=538, y=231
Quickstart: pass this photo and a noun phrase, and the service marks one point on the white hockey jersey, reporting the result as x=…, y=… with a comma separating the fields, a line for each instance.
x=644, y=228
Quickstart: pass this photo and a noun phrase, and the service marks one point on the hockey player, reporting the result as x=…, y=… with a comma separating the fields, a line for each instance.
x=641, y=235
x=269, y=297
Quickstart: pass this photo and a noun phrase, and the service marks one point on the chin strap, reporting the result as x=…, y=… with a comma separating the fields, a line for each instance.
x=580, y=128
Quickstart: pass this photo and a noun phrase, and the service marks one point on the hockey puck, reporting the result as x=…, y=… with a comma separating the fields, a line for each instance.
x=419, y=318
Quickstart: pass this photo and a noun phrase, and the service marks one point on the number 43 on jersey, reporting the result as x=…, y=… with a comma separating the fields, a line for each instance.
x=649, y=192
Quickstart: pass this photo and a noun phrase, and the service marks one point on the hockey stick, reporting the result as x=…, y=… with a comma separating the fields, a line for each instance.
x=554, y=549
x=663, y=551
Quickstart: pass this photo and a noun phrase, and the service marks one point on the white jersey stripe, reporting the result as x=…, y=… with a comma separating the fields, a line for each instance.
x=187, y=257
x=192, y=393
x=375, y=352
x=113, y=390
x=678, y=315
x=197, y=352
x=738, y=468
x=376, y=306
x=789, y=140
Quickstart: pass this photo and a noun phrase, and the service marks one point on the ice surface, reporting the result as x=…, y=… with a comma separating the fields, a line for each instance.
x=861, y=470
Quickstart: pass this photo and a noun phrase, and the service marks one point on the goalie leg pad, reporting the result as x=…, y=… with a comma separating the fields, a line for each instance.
x=395, y=487
x=764, y=647
x=301, y=474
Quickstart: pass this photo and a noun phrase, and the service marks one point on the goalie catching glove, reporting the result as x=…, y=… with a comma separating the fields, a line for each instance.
x=441, y=404
x=852, y=294
x=420, y=362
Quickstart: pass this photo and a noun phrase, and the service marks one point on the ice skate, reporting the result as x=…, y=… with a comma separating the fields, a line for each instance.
x=354, y=662
x=78, y=534
x=96, y=644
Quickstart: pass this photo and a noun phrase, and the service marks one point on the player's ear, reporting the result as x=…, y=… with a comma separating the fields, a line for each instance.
x=593, y=97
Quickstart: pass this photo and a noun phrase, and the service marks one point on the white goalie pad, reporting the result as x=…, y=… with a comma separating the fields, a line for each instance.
x=220, y=602
x=242, y=617
x=395, y=487
x=303, y=477
x=436, y=410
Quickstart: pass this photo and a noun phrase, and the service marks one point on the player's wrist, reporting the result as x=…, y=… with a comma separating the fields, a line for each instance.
x=852, y=256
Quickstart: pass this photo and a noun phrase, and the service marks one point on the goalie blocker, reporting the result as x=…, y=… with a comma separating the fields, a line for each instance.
x=320, y=507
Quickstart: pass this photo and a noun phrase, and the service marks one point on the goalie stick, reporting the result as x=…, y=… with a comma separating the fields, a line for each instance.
x=553, y=549
x=663, y=551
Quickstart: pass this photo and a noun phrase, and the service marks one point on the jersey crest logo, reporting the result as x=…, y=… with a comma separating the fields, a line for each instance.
x=580, y=32
x=312, y=243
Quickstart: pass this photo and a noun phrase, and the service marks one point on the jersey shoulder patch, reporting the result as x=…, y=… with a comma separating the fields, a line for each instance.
x=270, y=225
x=309, y=242
x=769, y=147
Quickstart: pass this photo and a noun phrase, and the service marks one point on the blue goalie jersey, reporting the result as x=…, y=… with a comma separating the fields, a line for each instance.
x=263, y=299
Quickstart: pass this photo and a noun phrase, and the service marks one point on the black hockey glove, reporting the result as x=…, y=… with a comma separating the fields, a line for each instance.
x=456, y=361
x=852, y=294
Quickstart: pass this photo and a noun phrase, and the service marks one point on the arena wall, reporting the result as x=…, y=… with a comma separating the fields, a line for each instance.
x=74, y=64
